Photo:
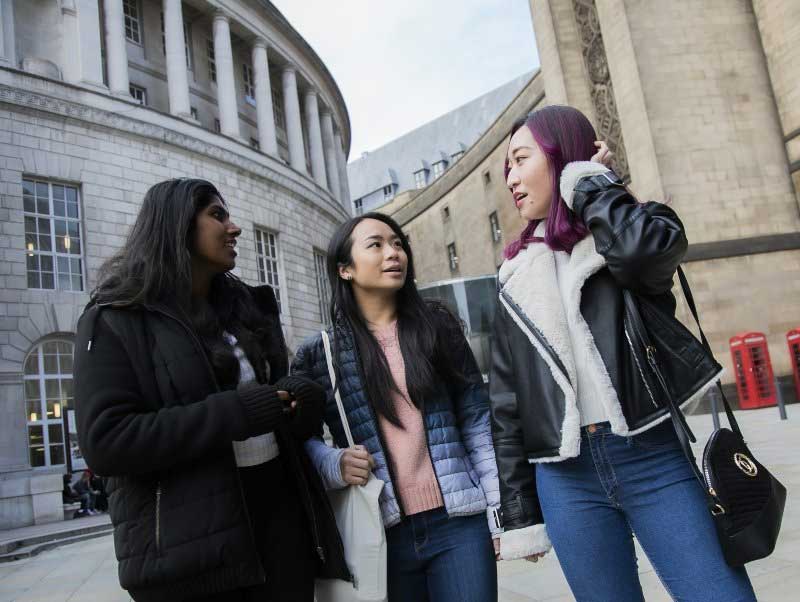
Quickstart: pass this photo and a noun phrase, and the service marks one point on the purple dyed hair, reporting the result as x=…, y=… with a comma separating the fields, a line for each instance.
x=564, y=134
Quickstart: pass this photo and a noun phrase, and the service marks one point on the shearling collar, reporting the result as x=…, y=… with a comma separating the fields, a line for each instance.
x=530, y=281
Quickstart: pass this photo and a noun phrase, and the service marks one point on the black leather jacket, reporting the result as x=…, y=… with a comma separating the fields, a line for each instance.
x=534, y=416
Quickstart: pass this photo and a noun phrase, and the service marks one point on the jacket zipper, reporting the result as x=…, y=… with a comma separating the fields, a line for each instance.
x=537, y=335
x=210, y=369
x=158, y=517
x=315, y=527
x=639, y=367
x=430, y=455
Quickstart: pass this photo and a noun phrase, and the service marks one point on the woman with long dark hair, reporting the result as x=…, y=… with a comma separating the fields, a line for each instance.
x=419, y=414
x=584, y=444
x=183, y=402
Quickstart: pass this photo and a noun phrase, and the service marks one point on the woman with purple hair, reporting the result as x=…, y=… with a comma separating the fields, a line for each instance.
x=585, y=450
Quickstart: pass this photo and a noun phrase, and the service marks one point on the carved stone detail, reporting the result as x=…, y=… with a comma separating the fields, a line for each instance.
x=601, y=88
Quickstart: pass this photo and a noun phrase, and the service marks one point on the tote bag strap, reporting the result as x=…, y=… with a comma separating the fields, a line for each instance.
x=332, y=374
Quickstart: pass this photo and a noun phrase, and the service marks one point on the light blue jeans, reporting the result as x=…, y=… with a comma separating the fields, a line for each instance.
x=644, y=485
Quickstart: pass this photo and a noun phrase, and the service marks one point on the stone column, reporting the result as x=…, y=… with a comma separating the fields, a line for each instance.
x=81, y=42
x=331, y=163
x=265, y=117
x=175, y=45
x=116, y=49
x=343, y=182
x=294, y=127
x=226, y=85
x=8, y=55
x=315, y=138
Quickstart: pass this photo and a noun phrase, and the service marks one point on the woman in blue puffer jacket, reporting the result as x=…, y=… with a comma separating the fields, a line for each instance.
x=419, y=414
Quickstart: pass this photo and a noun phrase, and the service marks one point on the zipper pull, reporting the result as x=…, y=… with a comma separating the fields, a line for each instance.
x=321, y=553
x=651, y=354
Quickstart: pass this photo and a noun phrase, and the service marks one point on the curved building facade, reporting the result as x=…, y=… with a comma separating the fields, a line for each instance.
x=98, y=101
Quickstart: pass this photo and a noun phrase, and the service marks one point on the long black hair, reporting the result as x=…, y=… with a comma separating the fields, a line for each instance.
x=154, y=267
x=426, y=330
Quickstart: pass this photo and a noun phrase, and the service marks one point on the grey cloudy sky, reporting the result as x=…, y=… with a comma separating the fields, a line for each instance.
x=401, y=63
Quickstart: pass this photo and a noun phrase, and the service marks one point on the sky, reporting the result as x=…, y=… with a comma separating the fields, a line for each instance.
x=402, y=63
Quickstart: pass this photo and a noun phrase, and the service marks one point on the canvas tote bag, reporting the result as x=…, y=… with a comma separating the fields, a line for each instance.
x=358, y=517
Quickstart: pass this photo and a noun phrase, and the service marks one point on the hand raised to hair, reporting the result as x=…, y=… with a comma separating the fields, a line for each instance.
x=603, y=154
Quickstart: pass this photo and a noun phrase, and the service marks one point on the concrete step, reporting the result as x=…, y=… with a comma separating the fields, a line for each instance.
x=36, y=534
x=29, y=549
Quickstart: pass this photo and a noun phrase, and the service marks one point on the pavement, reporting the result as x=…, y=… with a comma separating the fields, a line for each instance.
x=87, y=571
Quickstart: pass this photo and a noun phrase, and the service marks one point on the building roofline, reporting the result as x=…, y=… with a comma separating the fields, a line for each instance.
x=301, y=44
x=530, y=96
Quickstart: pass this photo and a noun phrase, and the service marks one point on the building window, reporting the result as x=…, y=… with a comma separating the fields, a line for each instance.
x=133, y=27
x=452, y=257
x=277, y=101
x=494, y=224
x=421, y=178
x=267, y=260
x=138, y=93
x=358, y=206
x=163, y=37
x=456, y=156
x=212, y=62
x=487, y=178
x=445, y=213
x=323, y=287
x=193, y=111
x=438, y=168
x=48, y=394
x=187, y=45
x=249, y=83
x=388, y=192
x=217, y=126
x=52, y=236
x=254, y=143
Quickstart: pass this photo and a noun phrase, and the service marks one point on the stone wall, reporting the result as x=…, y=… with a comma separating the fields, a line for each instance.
x=113, y=158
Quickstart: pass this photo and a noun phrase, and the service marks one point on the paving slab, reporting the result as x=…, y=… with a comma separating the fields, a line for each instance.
x=87, y=571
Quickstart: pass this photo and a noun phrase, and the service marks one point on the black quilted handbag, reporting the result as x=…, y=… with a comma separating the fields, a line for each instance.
x=745, y=500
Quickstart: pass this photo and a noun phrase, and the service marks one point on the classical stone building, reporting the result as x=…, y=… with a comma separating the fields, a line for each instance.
x=98, y=101
x=419, y=157
x=701, y=103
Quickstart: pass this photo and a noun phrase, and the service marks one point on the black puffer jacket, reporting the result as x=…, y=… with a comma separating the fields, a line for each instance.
x=535, y=416
x=152, y=418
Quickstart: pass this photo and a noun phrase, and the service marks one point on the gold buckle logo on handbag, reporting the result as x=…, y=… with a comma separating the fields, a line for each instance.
x=745, y=464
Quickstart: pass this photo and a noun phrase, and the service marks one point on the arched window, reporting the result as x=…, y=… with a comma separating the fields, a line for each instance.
x=48, y=394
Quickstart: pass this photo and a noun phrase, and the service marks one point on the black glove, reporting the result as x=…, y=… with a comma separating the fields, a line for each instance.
x=306, y=419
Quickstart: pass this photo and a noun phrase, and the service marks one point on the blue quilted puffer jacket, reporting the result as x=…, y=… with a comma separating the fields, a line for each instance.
x=457, y=421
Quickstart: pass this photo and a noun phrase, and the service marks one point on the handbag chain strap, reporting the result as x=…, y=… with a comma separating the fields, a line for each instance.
x=332, y=374
x=687, y=293
x=684, y=433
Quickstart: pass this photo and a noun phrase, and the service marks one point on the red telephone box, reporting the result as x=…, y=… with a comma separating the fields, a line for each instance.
x=793, y=339
x=752, y=368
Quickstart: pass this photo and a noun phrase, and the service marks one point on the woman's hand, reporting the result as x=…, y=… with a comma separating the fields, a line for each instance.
x=356, y=464
x=304, y=404
x=496, y=544
x=535, y=557
x=287, y=400
x=603, y=154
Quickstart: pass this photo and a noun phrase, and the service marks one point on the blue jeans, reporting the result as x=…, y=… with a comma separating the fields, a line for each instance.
x=431, y=557
x=644, y=485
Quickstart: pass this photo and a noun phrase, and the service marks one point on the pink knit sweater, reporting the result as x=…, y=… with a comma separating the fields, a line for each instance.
x=414, y=480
